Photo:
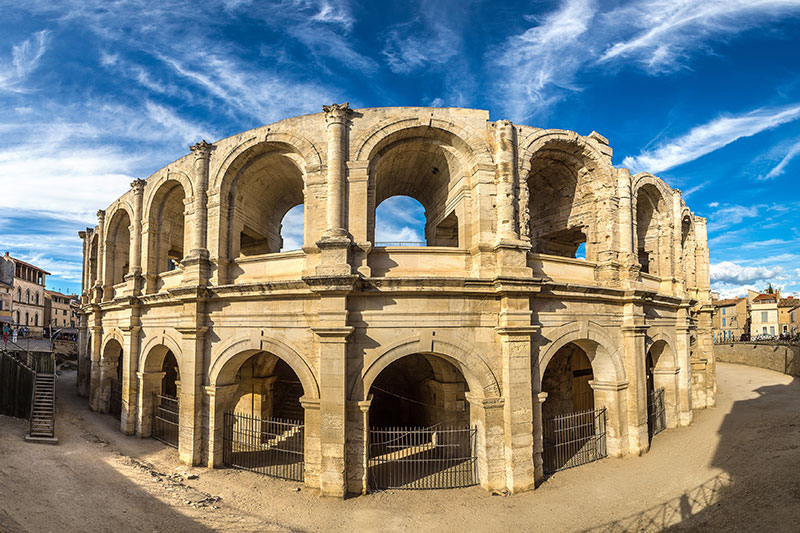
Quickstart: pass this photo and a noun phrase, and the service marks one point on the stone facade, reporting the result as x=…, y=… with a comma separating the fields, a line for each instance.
x=188, y=264
x=28, y=296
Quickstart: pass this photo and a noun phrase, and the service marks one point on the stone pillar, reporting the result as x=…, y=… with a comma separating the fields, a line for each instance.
x=190, y=396
x=538, y=436
x=100, y=284
x=515, y=347
x=336, y=116
x=504, y=150
x=683, y=340
x=668, y=378
x=357, y=447
x=196, y=268
x=333, y=396
x=108, y=372
x=312, y=449
x=486, y=415
x=84, y=264
x=635, y=357
x=149, y=386
x=627, y=254
x=135, y=269
x=613, y=396
x=84, y=358
x=94, y=383
x=219, y=401
x=129, y=359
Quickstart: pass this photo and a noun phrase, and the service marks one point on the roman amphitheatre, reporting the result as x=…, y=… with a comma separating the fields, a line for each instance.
x=557, y=312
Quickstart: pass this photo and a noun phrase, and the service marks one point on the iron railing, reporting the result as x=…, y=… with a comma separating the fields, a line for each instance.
x=422, y=458
x=270, y=446
x=115, y=399
x=574, y=439
x=165, y=419
x=399, y=243
x=656, y=412
x=16, y=386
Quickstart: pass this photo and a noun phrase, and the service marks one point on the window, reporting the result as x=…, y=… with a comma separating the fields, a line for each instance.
x=723, y=322
x=764, y=329
x=785, y=328
x=37, y=298
x=19, y=294
x=27, y=296
x=26, y=319
x=35, y=320
x=764, y=316
x=772, y=330
x=723, y=310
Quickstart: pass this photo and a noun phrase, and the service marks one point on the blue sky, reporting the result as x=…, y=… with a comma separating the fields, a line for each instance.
x=704, y=94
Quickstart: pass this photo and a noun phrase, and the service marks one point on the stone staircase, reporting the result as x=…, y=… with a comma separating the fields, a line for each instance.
x=290, y=408
x=43, y=410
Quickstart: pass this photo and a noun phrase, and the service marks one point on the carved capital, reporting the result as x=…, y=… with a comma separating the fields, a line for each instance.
x=138, y=186
x=337, y=112
x=202, y=149
x=82, y=234
x=101, y=215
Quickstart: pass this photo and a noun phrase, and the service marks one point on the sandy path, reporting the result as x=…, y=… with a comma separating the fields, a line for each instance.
x=736, y=468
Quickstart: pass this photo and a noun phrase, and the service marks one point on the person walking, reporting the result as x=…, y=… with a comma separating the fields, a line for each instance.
x=14, y=332
x=5, y=334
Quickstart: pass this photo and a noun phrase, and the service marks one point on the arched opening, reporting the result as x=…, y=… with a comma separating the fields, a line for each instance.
x=172, y=376
x=573, y=431
x=159, y=387
x=657, y=385
x=651, y=235
x=688, y=249
x=264, y=421
x=421, y=164
x=118, y=246
x=92, y=262
x=561, y=202
x=292, y=229
x=419, y=426
x=111, y=378
x=167, y=227
x=268, y=183
x=399, y=221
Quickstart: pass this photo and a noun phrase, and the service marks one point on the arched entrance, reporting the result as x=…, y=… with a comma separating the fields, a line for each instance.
x=660, y=378
x=419, y=426
x=264, y=428
x=111, y=379
x=573, y=430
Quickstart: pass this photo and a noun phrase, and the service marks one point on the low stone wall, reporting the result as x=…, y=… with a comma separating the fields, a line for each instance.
x=780, y=358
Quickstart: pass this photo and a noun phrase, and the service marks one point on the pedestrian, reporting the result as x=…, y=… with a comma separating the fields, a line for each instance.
x=14, y=332
x=5, y=333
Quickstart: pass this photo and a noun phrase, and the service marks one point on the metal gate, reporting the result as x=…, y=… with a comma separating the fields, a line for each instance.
x=656, y=412
x=165, y=419
x=422, y=458
x=574, y=439
x=115, y=400
x=270, y=446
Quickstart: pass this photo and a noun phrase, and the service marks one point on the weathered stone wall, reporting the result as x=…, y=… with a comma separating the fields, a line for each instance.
x=780, y=358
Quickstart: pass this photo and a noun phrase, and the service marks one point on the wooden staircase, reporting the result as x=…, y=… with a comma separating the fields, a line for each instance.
x=43, y=409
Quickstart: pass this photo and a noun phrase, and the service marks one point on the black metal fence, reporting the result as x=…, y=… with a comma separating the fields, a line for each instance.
x=165, y=419
x=574, y=439
x=16, y=387
x=115, y=400
x=656, y=412
x=273, y=447
x=422, y=458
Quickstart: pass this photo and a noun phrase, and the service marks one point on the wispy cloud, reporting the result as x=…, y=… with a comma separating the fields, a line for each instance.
x=25, y=57
x=728, y=271
x=709, y=137
x=540, y=64
x=730, y=215
x=780, y=168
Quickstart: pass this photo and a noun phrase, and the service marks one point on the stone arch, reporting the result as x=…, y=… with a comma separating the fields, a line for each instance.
x=155, y=183
x=115, y=334
x=168, y=341
x=117, y=241
x=688, y=247
x=665, y=345
x=607, y=364
x=169, y=229
x=235, y=352
x=645, y=178
x=479, y=376
x=652, y=223
x=572, y=181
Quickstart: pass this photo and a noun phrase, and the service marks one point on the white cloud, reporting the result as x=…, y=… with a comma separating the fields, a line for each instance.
x=713, y=204
x=292, y=228
x=25, y=58
x=407, y=50
x=188, y=131
x=661, y=34
x=541, y=63
x=730, y=215
x=709, y=137
x=780, y=168
x=730, y=272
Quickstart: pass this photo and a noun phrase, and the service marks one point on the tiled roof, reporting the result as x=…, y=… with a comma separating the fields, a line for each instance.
x=21, y=262
x=729, y=301
x=764, y=297
x=789, y=302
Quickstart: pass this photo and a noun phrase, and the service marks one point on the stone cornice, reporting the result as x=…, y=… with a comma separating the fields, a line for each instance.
x=332, y=284
x=517, y=330
x=333, y=332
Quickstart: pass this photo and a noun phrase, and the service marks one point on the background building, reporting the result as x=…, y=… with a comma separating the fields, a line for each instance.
x=58, y=311
x=731, y=319
x=785, y=308
x=764, y=314
x=6, y=289
x=28, y=296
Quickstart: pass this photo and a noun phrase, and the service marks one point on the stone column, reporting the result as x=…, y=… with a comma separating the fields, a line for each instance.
x=219, y=401
x=538, y=436
x=333, y=412
x=84, y=358
x=486, y=416
x=107, y=373
x=312, y=450
x=94, y=383
x=613, y=396
x=682, y=341
x=635, y=357
x=504, y=150
x=668, y=379
x=515, y=347
x=627, y=253
x=190, y=396
x=84, y=265
x=149, y=385
x=100, y=284
x=357, y=447
x=336, y=116
x=195, y=263
x=129, y=359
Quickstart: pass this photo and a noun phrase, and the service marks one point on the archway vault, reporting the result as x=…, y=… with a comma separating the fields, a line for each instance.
x=602, y=350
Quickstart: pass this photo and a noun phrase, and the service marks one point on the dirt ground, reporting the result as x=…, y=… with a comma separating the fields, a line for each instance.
x=737, y=467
